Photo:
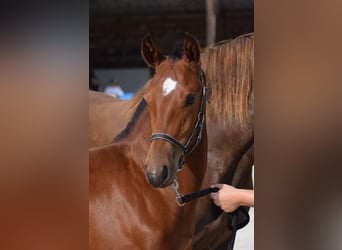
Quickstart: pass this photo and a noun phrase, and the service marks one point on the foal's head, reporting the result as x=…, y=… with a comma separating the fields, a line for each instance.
x=175, y=99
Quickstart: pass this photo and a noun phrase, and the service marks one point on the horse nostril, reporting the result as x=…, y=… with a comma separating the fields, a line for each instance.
x=165, y=172
x=145, y=166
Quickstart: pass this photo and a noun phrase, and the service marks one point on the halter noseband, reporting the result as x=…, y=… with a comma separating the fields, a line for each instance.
x=186, y=149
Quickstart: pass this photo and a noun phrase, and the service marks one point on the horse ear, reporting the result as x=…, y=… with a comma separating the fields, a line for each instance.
x=150, y=53
x=191, y=49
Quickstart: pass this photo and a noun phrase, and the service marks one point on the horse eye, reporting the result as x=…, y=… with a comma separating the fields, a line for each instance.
x=190, y=99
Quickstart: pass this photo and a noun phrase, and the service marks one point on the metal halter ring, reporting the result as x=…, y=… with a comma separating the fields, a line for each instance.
x=179, y=195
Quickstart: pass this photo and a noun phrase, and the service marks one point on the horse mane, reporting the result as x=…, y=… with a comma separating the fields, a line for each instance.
x=141, y=106
x=176, y=53
x=136, y=103
x=229, y=68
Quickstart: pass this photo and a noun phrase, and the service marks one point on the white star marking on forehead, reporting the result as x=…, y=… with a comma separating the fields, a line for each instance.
x=168, y=85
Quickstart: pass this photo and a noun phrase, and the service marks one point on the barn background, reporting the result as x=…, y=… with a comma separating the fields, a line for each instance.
x=117, y=28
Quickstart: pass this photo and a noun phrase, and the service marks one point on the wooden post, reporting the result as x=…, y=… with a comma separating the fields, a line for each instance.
x=211, y=22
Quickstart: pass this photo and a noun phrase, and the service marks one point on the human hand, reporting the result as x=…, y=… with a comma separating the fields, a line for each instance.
x=229, y=198
x=225, y=198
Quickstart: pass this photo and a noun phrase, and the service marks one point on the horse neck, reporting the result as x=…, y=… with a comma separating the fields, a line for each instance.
x=227, y=147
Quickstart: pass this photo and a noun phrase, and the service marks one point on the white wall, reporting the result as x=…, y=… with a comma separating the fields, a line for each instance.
x=130, y=80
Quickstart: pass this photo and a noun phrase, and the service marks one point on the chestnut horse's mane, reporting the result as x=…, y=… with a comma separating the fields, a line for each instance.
x=141, y=106
x=229, y=68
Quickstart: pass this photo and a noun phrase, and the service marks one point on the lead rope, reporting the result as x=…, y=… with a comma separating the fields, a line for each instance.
x=233, y=218
x=233, y=225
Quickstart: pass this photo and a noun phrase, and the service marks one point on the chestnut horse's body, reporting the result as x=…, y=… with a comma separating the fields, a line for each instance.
x=125, y=211
x=131, y=202
x=229, y=70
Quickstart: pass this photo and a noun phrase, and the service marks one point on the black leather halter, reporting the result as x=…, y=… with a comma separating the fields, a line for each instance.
x=187, y=148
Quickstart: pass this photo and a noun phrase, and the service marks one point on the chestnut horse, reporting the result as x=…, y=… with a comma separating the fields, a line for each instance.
x=229, y=69
x=132, y=201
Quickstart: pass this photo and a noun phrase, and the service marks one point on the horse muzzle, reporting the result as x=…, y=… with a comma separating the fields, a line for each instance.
x=159, y=176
